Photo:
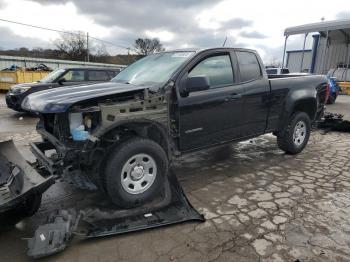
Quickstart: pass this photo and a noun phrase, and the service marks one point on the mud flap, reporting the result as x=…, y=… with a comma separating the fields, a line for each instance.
x=21, y=185
x=99, y=221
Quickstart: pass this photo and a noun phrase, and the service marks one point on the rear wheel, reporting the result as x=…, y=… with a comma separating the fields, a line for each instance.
x=134, y=172
x=296, y=135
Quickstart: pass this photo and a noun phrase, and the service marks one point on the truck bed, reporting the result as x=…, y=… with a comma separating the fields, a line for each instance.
x=303, y=86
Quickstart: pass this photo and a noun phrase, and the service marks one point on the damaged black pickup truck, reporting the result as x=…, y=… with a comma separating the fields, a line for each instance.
x=121, y=136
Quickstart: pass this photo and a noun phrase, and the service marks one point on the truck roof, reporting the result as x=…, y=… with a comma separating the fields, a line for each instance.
x=90, y=68
x=197, y=50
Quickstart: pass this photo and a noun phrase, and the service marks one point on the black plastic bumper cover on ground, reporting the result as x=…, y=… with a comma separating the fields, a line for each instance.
x=98, y=221
x=19, y=181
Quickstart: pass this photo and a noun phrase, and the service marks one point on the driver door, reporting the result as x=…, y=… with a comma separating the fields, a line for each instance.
x=211, y=116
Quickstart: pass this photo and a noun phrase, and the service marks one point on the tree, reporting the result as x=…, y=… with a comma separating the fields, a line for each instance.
x=146, y=46
x=72, y=46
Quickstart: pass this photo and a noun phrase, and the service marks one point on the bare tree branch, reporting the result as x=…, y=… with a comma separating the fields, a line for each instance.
x=146, y=46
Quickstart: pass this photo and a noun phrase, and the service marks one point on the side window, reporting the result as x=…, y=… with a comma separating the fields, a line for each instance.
x=218, y=69
x=248, y=65
x=98, y=75
x=75, y=75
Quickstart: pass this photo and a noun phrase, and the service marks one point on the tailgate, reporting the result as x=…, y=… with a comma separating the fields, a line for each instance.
x=18, y=179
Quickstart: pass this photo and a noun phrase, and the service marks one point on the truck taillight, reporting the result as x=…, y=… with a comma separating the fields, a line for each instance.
x=328, y=90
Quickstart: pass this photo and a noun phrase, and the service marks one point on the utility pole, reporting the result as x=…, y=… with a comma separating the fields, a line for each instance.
x=87, y=47
x=128, y=55
x=223, y=45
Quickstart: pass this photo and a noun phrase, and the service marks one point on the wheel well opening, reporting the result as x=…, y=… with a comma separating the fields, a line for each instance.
x=150, y=131
x=307, y=106
x=155, y=134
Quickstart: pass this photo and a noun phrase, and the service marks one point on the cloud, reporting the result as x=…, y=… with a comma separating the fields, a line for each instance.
x=139, y=14
x=174, y=22
x=343, y=15
x=9, y=40
x=236, y=23
x=252, y=34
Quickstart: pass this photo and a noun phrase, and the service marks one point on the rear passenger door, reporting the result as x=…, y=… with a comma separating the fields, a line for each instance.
x=211, y=116
x=256, y=93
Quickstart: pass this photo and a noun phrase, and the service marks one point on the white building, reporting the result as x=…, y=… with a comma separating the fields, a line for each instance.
x=293, y=62
x=330, y=49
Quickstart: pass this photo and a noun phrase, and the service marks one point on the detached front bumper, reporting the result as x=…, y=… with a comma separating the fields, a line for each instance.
x=19, y=181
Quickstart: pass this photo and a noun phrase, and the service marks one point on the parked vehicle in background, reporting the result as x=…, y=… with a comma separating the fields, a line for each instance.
x=334, y=90
x=57, y=78
x=276, y=71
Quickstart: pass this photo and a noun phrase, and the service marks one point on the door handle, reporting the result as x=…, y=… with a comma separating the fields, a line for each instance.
x=233, y=97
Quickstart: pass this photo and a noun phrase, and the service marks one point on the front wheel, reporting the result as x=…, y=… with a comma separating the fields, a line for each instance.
x=134, y=172
x=296, y=135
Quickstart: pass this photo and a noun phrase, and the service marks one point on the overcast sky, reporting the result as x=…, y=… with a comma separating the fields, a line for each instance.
x=177, y=23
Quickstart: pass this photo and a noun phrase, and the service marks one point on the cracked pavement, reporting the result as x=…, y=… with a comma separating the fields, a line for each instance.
x=260, y=204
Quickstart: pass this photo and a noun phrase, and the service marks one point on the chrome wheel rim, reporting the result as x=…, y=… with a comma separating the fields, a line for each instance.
x=138, y=173
x=299, y=133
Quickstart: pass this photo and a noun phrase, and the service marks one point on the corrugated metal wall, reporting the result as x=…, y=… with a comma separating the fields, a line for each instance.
x=8, y=61
x=330, y=55
x=294, y=60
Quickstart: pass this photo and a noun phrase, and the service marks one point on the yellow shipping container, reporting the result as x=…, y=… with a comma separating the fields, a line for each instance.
x=345, y=87
x=9, y=78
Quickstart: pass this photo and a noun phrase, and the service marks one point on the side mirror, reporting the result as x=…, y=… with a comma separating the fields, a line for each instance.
x=61, y=81
x=197, y=83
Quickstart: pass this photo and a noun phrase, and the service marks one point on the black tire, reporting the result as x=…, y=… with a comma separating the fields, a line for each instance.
x=331, y=99
x=112, y=175
x=285, y=139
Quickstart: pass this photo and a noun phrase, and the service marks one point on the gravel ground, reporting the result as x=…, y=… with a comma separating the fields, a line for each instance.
x=260, y=204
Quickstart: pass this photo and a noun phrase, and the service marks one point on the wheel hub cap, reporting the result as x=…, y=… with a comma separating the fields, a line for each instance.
x=299, y=133
x=138, y=173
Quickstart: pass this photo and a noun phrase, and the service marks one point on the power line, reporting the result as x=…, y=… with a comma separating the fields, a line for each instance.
x=63, y=32
x=110, y=43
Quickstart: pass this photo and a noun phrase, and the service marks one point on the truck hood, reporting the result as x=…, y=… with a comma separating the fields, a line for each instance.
x=58, y=100
x=15, y=88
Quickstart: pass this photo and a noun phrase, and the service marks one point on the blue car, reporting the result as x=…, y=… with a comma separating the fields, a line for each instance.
x=334, y=90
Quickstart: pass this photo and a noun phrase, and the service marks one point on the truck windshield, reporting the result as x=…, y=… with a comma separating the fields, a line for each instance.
x=153, y=70
x=52, y=76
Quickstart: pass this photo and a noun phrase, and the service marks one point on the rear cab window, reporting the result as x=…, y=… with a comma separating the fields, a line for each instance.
x=217, y=68
x=249, y=66
x=98, y=75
